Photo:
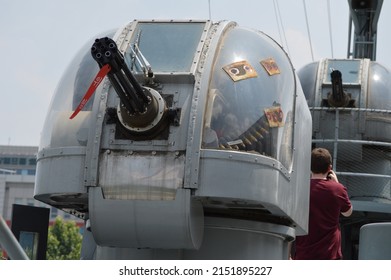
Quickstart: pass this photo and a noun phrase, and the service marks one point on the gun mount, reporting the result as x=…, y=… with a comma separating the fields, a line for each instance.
x=338, y=97
x=210, y=161
x=141, y=109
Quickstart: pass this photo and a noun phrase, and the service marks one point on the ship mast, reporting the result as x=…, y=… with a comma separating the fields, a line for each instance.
x=364, y=14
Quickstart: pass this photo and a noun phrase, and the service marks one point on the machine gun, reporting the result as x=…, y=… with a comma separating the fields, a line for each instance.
x=133, y=96
x=337, y=97
x=141, y=108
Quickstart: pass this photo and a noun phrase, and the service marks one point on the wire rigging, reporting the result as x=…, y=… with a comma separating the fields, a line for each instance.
x=280, y=23
x=330, y=29
x=210, y=13
x=308, y=30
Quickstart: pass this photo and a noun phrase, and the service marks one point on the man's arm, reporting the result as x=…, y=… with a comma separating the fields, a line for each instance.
x=348, y=213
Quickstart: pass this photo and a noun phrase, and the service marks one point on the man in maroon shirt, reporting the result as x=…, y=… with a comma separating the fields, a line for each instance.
x=328, y=199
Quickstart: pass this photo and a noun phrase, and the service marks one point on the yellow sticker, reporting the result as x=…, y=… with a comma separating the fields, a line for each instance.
x=240, y=70
x=275, y=116
x=270, y=66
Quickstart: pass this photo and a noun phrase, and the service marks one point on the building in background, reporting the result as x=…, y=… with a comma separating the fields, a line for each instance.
x=17, y=177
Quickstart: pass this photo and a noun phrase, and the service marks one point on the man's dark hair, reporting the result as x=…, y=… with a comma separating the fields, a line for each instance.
x=320, y=160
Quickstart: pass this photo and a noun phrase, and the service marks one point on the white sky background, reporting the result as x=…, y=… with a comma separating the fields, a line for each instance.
x=39, y=38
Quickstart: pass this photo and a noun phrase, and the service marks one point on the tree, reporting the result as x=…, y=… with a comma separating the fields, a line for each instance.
x=64, y=241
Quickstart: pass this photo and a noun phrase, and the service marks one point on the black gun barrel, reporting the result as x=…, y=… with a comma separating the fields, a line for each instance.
x=338, y=97
x=337, y=89
x=132, y=95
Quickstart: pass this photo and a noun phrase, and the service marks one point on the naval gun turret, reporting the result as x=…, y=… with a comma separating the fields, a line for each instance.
x=195, y=146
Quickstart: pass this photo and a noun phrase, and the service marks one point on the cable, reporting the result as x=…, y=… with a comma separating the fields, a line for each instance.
x=330, y=30
x=282, y=26
x=308, y=30
x=278, y=23
x=210, y=13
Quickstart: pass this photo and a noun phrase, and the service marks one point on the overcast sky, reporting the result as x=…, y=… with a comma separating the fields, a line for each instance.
x=39, y=38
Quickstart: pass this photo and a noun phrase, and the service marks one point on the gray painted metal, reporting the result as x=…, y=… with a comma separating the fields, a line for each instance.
x=364, y=15
x=171, y=224
x=248, y=239
x=10, y=243
x=375, y=242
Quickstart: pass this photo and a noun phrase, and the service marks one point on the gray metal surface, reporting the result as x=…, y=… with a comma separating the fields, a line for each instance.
x=248, y=239
x=375, y=242
x=9, y=243
x=172, y=224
